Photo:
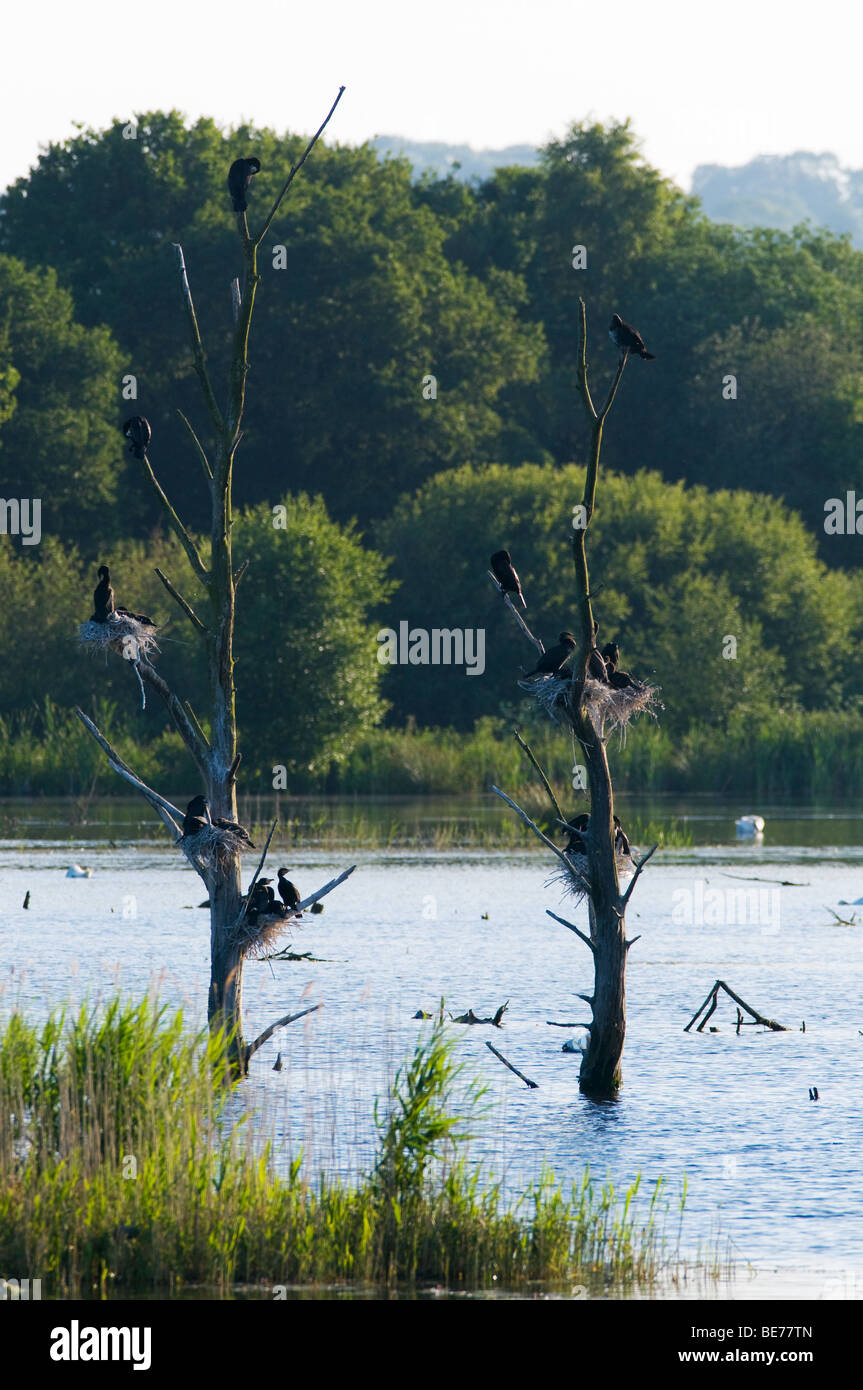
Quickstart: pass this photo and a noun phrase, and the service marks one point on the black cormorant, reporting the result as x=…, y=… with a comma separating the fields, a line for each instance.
x=103, y=603
x=198, y=809
x=287, y=892
x=505, y=574
x=552, y=661
x=239, y=178
x=622, y=680
x=103, y=597
x=137, y=431
x=621, y=843
x=627, y=338
x=611, y=656
x=596, y=666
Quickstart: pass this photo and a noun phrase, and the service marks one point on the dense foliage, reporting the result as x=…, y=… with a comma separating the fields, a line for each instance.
x=389, y=279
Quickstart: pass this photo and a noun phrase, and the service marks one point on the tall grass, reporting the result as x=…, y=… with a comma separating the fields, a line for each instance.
x=806, y=754
x=121, y=1171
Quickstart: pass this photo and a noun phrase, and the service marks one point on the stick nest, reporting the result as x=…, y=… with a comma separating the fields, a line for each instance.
x=111, y=635
x=257, y=937
x=609, y=709
x=212, y=842
x=575, y=882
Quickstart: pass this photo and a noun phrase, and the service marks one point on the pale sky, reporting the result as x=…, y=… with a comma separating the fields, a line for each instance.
x=702, y=83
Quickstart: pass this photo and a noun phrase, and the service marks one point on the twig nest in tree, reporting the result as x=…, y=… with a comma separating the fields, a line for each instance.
x=212, y=841
x=576, y=881
x=608, y=707
x=258, y=933
x=120, y=633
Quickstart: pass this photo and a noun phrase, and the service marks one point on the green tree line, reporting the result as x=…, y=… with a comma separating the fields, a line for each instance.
x=383, y=282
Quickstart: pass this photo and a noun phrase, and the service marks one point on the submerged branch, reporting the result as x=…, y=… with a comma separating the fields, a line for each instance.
x=279, y=1023
x=534, y=1085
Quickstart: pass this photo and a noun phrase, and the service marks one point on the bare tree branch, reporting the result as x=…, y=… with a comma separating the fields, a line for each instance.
x=638, y=868
x=297, y=167
x=515, y=613
x=327, y=888
x=280, y=1023
x=534, y=1085
x=545, y=782
x=171, y=817
x=177, y=526
x=197, y=725
x=251, y=887
x=186, y=607
x=580, y=934
x=197, y=347
x=545, y=840
x=205, y=462
x=193, y=739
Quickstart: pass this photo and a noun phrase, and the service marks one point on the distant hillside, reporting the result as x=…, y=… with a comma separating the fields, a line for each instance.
x=782, y=190
x=461, y=160
x=770, y=191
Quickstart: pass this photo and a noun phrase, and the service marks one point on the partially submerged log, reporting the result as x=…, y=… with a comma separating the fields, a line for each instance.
x=708, y=1008
x=532, y=1085
x=471, y=1017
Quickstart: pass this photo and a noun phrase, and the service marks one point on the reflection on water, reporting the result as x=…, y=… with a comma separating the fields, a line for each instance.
x=775, y=1172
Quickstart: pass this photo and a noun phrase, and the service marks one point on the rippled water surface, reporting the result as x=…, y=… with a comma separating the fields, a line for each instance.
x=778, y=1174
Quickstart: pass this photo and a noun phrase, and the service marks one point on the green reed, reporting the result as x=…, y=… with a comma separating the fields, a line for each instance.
x=124, y=1168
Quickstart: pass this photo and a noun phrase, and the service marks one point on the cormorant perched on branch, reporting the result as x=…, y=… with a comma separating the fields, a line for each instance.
x=198, y=810
x=287, y=892
x=137, y=431
x=505, y=574
x=627, y=338
x=552, y=661
x=103, y=602
x=239, y=178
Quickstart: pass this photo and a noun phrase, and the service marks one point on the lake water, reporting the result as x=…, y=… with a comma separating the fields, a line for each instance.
x=775, y=1173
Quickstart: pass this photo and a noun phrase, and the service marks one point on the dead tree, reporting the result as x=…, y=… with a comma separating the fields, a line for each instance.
x=215, y=753
x=593, y=711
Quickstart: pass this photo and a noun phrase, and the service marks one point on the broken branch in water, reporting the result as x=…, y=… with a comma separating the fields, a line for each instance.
x=280, y=1023
x=534, y=1086
x=843, y=921
x=747, y=878
x=708, y=1008
x=471, y=1017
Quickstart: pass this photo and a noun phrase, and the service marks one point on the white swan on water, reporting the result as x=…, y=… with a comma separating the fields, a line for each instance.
x=75, y=871
x=749, y=825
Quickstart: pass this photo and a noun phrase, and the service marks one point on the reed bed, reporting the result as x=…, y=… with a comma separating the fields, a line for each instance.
x=121, y=1171
x=816, y=755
